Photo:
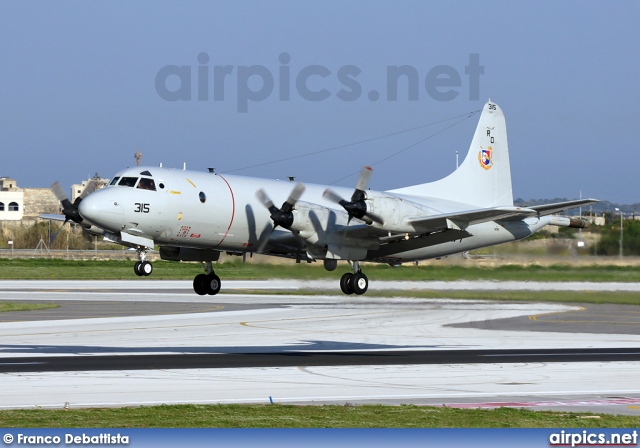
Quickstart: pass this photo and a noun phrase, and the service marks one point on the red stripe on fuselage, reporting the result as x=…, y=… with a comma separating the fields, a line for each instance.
x=233, y=210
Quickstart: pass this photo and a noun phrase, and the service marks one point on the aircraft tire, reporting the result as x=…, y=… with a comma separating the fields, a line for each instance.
x=345, y=283
x=212, y=284
x=199, y=284
x=359, y=283
x=145, y=268
x=136, y=269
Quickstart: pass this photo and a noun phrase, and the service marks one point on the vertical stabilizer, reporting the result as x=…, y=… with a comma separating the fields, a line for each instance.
x=484, y=178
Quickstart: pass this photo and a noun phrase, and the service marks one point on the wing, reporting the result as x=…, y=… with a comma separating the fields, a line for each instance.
x=461, y=220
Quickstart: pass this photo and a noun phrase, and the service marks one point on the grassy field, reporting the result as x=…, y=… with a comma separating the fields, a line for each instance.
x=287, y=416
x=6, y=307
x=47, y=269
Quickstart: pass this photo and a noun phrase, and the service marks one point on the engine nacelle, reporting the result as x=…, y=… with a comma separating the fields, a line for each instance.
x=565, y=221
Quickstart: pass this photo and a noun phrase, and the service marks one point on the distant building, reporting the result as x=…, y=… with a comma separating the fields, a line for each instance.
x=595, y=220
x=11, y=200
x=77, y=189
x=19, y=203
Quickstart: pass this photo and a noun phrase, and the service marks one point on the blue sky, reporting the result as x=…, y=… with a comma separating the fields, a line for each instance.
x=78, y=90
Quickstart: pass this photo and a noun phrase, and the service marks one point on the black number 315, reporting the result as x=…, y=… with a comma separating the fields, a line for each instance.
x=141, y=208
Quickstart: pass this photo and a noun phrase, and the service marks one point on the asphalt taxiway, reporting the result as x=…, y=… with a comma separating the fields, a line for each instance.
x=152, y=342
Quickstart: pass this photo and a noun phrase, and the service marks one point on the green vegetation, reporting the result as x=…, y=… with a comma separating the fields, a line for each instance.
x=70, y=236
x=328, y=416
x=12, y=306
x=47, y=269
x=610, y=238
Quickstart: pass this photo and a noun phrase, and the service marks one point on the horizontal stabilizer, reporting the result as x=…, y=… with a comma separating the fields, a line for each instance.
x=53, y=217
x=548, y=209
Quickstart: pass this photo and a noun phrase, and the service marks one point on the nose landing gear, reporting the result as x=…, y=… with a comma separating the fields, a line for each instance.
x=356, y=283
x=142, y=267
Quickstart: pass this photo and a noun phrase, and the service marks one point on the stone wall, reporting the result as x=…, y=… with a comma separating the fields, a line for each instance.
x=40, y=200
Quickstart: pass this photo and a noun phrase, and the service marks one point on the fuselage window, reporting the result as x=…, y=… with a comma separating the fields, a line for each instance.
x=114, y=181
x=128, y=181
x=161, y=185
x=147, y=184
x=14, y=207
x=202, y=197
x=1, y=206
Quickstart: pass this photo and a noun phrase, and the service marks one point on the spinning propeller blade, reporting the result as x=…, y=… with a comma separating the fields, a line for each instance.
x=356, y=207
x=282, y=216
x=70, y=210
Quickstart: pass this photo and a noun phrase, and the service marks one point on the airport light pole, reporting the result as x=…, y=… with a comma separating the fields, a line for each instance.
x=618, y=210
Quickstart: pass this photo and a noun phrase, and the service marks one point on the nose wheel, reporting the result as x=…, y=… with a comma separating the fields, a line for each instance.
x=142, y=267
x=356, y=283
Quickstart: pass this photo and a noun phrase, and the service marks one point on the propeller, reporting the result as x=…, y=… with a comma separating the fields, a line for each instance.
x=69, y=209
x=282, y=216
x=356, y=207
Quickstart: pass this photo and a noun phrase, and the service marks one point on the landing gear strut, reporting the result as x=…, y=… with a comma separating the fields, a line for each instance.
x=208, y=283
x=356, y=283
x=142, y=267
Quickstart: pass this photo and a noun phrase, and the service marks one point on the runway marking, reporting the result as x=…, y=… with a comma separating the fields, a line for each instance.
x=343, y=331
x=536, y=316
x=359, y=382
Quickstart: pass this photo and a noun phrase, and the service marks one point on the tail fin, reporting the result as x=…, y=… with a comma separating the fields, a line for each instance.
x=484, y=178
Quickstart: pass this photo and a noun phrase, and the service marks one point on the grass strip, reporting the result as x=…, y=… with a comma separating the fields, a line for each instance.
x=6, y=307
x=47, y=269
x=290, y=416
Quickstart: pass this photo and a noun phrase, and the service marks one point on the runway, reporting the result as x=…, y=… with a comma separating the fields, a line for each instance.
x=152, y=342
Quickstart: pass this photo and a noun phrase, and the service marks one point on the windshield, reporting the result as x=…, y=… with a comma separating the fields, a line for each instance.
x=128, y=181
x=147, y=184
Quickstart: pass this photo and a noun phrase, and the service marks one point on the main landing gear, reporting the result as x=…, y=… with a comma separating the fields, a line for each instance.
x=356, y=283
x=142, y=267
x=208, y=283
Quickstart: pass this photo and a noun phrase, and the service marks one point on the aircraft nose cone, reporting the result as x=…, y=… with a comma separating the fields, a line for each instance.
x=103, y=209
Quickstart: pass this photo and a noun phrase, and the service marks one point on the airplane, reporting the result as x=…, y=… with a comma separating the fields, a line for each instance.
x=197, y=215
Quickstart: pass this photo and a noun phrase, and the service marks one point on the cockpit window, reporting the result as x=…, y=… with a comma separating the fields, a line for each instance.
x=128, y=181
x=147, y=184
x=114, y=181
x=145, y=173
